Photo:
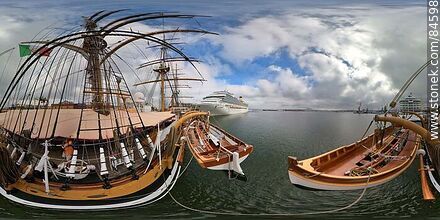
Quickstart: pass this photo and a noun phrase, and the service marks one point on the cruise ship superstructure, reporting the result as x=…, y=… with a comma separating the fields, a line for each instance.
x=223, y=103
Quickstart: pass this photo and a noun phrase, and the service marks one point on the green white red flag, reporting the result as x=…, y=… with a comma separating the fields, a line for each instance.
x=26, y=50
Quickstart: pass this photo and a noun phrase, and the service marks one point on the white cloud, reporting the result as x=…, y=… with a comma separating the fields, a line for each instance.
x=349, y=55
x=288, y=83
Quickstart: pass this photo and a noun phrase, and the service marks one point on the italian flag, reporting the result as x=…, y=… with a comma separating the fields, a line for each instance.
x=26, y=50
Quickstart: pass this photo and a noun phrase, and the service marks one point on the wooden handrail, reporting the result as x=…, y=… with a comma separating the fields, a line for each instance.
x=426, y=190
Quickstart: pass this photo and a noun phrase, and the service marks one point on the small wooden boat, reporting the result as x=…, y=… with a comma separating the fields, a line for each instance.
x=374, y=160
x=214, y=148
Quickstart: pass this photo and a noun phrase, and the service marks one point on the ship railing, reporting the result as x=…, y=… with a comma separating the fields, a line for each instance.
x=106, y=142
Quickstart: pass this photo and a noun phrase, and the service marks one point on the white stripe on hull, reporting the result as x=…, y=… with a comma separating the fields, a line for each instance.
x=227, y=166
x=309, y=183
x=433, y=180
x=150, y=198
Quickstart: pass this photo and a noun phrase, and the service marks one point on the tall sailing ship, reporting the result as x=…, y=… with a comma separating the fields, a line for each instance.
x=85, y=145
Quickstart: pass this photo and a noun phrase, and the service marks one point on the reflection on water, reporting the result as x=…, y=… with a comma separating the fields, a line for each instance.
x=275, y=135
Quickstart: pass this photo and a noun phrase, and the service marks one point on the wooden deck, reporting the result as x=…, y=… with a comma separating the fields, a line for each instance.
x=69, y=120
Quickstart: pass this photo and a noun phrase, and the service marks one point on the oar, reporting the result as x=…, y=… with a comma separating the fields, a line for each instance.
x=426, y=190
x=157, y=144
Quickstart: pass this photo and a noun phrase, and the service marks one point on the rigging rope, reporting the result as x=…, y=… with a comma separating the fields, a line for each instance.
x=7, y=62
x=368, y=128
x=275, y=214
x=186, y=167
x=370, y=170
x=407, y=84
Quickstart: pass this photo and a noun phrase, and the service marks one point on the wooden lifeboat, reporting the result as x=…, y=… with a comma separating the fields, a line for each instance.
x=216, y=149
x=374, y=160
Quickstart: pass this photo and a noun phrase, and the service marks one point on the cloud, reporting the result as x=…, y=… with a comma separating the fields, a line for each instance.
x=19, y=23
x=286, y=83
x=347, y=56
x=304, y=57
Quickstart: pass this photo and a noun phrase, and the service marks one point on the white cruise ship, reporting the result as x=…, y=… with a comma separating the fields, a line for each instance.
x=223, y=103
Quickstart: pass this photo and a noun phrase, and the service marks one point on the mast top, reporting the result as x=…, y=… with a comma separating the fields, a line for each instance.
x=90, y=24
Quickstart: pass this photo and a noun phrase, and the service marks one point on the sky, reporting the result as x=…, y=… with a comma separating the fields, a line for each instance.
x=276, y=54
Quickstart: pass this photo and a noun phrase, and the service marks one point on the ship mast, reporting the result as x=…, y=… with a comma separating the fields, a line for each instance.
x=94, y=46
x=167, y=76
x=175, y=92
x=162, y=70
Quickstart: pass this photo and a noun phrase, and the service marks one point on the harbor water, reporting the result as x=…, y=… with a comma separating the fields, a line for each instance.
x=275, y=135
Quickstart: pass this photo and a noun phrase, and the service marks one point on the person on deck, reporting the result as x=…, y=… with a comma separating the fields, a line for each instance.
x=68, y=149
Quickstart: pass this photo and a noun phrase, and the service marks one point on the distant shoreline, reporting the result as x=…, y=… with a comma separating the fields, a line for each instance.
x=303, y=110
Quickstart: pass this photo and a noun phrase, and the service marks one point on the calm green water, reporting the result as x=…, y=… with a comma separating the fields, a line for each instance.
x=275, y=135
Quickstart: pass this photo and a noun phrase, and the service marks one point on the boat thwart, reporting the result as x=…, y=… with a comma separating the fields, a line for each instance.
x=214, y=148
x=374, y=160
